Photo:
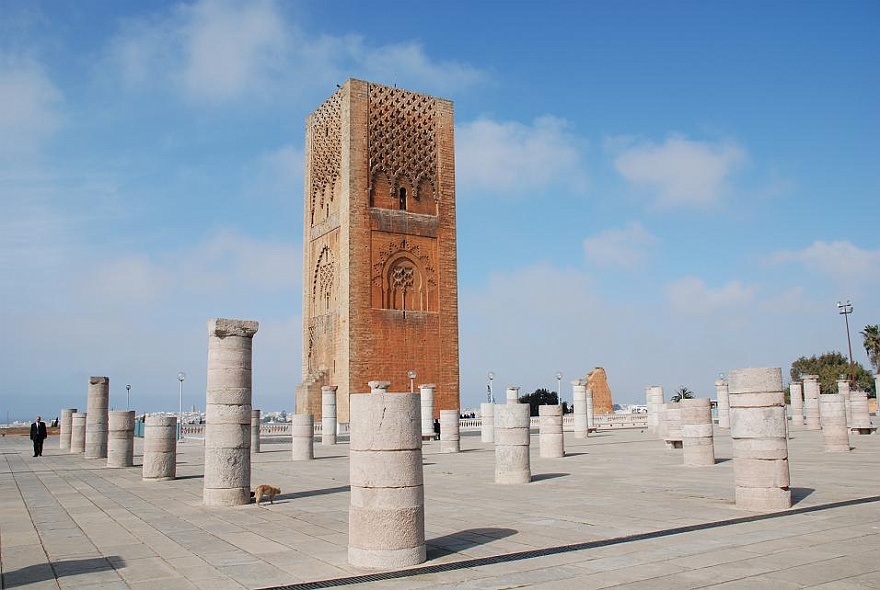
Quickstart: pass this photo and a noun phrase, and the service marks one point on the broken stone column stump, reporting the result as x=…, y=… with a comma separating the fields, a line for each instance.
x=579, y=407
x=550, y=436
x=722, y=396
x=328, y=415
x=78, y=432
x=835, y=433
x=66, y=425
x=427, y=393
x=96, y=420
x=512, y=464
x=697, y=440
x=120, y=438
x=450, y=437
x=796, y=395
x=811, y=403
x=160, y=448
x=302, y=432
x=487, y=422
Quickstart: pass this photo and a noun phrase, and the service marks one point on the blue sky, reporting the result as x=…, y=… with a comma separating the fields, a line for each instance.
x=668, y=190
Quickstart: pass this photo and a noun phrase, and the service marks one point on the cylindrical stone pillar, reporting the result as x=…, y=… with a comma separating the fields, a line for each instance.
x=66, y=424
x=672, y=417
x=512, y=395
x=591, y=422
x=427, y=392
x=722, y=396
x=843, y=390
x=551, y=438
x=386, y=522
x=382, y=387
x=120, y=438
x=450, y=438
x=512, y=465
x=78, y=432
x=796, y=395
x=697, y=441
x=811, y=402
x=487, y=422
x=328, y=415
x=228, y=413
x=654, y=394
x=861, y=417
x=256, y=421
x=160, y=448
x=760, y=448
x=579, y=408
x=835, y=433
x=302, y=431
x=96, y=420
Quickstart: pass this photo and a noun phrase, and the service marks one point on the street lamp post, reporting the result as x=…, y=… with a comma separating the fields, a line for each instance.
x=128, y=396
x=491, y=394
x=180, y=377
x=412, y=378
x=559, y=387
x=845, y=309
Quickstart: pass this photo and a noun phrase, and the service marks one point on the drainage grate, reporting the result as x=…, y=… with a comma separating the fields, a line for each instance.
x=533, y=553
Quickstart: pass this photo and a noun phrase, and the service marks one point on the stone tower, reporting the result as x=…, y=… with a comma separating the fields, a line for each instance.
x=380, y=287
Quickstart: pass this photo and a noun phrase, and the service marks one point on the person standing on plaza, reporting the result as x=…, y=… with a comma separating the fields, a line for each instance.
x=38, y=435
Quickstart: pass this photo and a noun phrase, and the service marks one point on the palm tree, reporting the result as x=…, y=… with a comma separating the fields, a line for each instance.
x=682, y=393
x=871, y=341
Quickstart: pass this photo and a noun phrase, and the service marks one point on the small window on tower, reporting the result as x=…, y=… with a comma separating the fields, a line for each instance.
x=402, y=195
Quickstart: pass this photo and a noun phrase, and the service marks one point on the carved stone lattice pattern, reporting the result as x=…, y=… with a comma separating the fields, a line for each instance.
x=402, y=277
x=326, y=150
x=402, y=137
x=322, y=284
x=413, y=251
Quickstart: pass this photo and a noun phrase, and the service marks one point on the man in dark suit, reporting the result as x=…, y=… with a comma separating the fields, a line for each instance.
x=38, y=435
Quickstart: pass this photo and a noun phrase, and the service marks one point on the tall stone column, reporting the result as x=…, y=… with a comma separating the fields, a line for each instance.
x=328, y=415
x=256, y=422
x=487, y=422
x=66, y=424
x=796, y=394
x=120, y=438
x=512, y=395
x=843, y=390
x=672, y=421
x=579, y=407
x=386, y=523
x=811, y=402
x=302, y=433
x=450, y=437
x=160, y=448
x=427, y=393
x=722, y=396
x=78, y=432
x=551, y=437
x=835, y=433
x=655, y=408
x=861, y=417
x=228, y=413
x=697, y=440
x=96, y=420
x=591, y=421
x=760, y=448
x=512, y=464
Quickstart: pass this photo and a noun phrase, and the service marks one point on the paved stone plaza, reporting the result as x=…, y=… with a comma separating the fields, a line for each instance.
x=619, y=510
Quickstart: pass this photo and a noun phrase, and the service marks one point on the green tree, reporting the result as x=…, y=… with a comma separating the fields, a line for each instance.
x=829, y=367
x=682, y=393
x=871, y=342
x=540, y=397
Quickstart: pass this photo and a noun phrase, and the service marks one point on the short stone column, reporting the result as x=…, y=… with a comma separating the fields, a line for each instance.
x=654, y=394
x=450, y=437
x=697, y=440
x=160, y=448
x=256, y=422
x=861, y=417
x=760, y=448
x=78, y=432
x=328, y=415
x=588, y=401
x=722, y=396
x=512, y=465
x=120, y=438
x=672, y=421
x=487, y=422
x=386, y=521
x=551, y=438
x=835, y=433
x=811, y=402
x=228, y=413
x=843, y=390
x=96, y=420
x=512, y=395
x=65, y=426
x=579, y=408
x=427, y=393
x=302, y=433
x=796, y=395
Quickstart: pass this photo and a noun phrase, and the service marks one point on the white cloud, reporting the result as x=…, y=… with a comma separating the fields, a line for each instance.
x=840, y=260
x=691, y=296
x=29, y=106
x=629, y=247
x=509, y=158
x=682, y=172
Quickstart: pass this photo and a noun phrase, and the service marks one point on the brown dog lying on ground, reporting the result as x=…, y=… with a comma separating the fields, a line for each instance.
x=267, y=491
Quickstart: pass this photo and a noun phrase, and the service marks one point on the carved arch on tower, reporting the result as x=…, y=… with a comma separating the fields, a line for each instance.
x=324, y=282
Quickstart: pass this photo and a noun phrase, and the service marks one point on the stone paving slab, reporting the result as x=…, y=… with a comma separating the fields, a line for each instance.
x=620, y=510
